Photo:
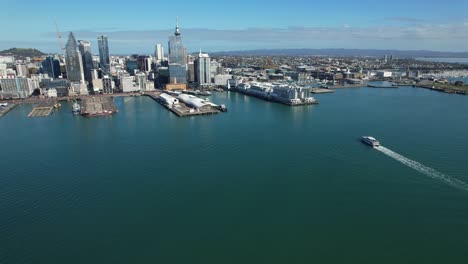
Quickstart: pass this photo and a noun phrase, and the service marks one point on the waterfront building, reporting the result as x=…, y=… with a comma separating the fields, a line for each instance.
x=127, y=85
x=17, y=87
x=73, y=60
x=51, y=93
x=107, y=85
x=61, y=85
x=104, y=57
x=384, y=74
x=279, y=92
x=97, y=85
x=177, y=59
x=203, y=69
x=79, y=88
x=141, y=80
x=51, y=66
x=222, y=79
x=177, y=74
x=291, y=94
x=87, y=58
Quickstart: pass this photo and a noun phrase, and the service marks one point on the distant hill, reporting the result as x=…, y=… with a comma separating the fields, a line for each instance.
x=347, y=53
x=22, y=53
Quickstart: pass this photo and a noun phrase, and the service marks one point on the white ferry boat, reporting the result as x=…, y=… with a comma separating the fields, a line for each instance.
x=76, y=108
x=371, y=141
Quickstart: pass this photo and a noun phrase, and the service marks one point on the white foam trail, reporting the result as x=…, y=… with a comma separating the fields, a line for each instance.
x=424, y=169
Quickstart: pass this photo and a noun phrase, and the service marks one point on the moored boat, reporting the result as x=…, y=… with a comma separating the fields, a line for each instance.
x=76, y=108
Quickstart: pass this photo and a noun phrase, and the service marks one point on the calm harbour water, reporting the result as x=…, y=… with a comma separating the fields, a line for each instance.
x=263, y=183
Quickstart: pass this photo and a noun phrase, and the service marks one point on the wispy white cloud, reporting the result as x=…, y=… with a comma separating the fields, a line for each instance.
x=444, y=37
x=404, y=19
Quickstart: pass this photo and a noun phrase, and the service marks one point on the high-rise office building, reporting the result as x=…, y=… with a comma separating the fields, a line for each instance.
x=159, y=53
x=104, y=53
x=144, y=63
x=177, y=60
x=87, y=57
x=73, y=60
x=51, y=66
x=203, y=69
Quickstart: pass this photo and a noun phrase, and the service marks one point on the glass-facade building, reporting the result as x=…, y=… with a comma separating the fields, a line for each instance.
x=177, y=61
x=87, y=58
x=51, y=66
x=104, y=57
x=73, y=60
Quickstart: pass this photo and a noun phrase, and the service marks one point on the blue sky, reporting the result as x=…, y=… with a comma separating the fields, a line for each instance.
x=136, y=26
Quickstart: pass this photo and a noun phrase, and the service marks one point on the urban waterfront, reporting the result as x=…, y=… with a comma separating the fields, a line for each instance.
x=264, y=183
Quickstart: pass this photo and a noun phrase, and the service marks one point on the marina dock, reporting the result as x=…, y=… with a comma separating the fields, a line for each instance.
x=5, y=109
x=44, y=109
x=98, y=106
x=181, y=109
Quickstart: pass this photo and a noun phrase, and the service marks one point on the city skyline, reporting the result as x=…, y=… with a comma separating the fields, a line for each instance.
x=416, y=25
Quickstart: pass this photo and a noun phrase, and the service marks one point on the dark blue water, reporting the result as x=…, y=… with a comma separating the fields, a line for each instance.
x=263, y=183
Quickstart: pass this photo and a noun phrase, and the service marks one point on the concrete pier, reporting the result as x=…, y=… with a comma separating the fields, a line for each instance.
x=44, y=109
x=321, y=91
x=181, y=109
x=5, y=110
x=41, y=111
x=276, y=100
x=98, y=106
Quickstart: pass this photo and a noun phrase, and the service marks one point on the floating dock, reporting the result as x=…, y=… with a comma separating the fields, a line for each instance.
x=98, y=106
x=44, y=109
x=181, y=109
x=5, y=109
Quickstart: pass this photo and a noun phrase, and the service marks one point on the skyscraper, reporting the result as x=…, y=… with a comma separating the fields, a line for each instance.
x=73, y=60
x=104, y=53
x=177, y=62
x=87, y=58
x=51, y=66
x=203, y=69
x=159, y=52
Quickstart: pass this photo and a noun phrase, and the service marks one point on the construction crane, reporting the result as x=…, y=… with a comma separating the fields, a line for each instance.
x=59, y=35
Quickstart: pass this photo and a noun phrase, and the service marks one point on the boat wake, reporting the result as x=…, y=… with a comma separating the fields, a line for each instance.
x=424, y=169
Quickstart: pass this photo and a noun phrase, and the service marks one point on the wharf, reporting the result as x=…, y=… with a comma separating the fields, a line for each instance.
x=44, y=109
x=5, y=110
x=182, y=110
x=321, y=91
x=272, y=99
x=98, y=106
x=348, y=86
x=382, y=86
